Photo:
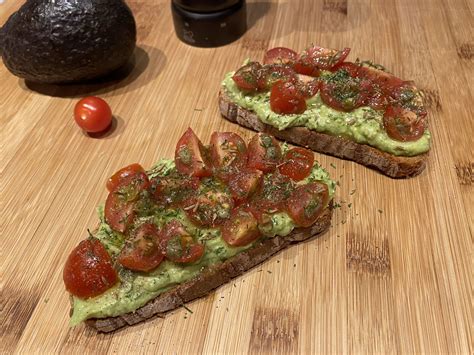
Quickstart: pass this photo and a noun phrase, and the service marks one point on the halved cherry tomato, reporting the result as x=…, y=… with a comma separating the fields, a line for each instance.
x=120, y=204
x=271, y=74
x=174, y=188
x=241, y=229
x=247, y=77
x=228, y=152
x=88, y=271
x=141, y=251
x=243, y=184
x=212, y=205
x=120, y=176
x=280, y=55
x=93, y=114
x=307, y=202
x=307, y=85
x=403, y=124
x=317, y=58
x=343, y=92
x=386, y=81
x=191, y=156
x=178, y=245
x=297, y=163
x=285, y=98
x=264, y=153
x=351, y=68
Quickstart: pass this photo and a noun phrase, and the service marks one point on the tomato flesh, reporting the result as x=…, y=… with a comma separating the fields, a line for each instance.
x=314, y=59
x=280, y=55
x=88, y=271
x=93, y=114
x=343, y=92
x=307, y=202
x=228, y=152
x=271, y=74
x=122, y=175
x=241, y=229
x=247, y=77
x=264, y=153
x=403, y=124
x=243, y=184
x=173, y=189
x=297, y=163
x=191, y=156
x=178, y=245
x=285, y=98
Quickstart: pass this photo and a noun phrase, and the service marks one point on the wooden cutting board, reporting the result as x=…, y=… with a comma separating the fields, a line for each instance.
x=392, y=275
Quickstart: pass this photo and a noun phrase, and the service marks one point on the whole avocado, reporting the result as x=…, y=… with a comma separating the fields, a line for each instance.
x=62, y=41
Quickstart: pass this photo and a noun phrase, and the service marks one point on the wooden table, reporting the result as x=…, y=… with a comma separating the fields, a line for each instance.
x=392, y=275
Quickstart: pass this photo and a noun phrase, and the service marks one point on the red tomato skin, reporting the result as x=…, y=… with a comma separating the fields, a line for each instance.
x=241, y=229
x=244, y=184
x=119, y=215
x=88, y=271
x=285, y=98
x=279, y=55
x=312, y=197
x=246, y=77
x=190, y=251
x=264, y=153
x=404, y=125
x=141, y=251
x=93, y=114
x=122, y=175
x=191, y=156
x=228, y=151
x=351, y=68
x=297, y=163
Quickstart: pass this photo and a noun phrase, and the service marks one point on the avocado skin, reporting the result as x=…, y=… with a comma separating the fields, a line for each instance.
x=63, y=41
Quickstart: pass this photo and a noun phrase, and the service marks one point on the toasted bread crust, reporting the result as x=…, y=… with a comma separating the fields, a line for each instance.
x=389, y=164
x=213, y=277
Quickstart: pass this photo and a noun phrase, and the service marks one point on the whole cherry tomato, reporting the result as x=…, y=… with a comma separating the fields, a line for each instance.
x=93, y=114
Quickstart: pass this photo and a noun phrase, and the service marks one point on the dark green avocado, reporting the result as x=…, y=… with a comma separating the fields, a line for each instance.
x=61, y=41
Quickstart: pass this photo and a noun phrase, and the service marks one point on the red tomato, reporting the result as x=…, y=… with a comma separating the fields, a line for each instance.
x=247, y=77
x=307, y=86
x=191, y=156
x=317, y=58
x=228, y=152
x=264, y=152
x=303, y=66
x=178, y=245
x=297, y=163
x=243, y=184
x=279, y=55
x=93, y=114
x=174, y=188
x=270, y=74
x=285, y=98
x=351, y=68
x=210, y=208
x=241, y=229
x=120, y=176
x=141, y=251
x=120, y=204
x=404, y=125
x=386, y=81
x=307, y=202
x=344, y=93
x=88, y=271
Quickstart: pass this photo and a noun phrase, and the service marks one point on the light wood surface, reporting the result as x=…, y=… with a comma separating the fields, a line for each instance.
x=392, y=275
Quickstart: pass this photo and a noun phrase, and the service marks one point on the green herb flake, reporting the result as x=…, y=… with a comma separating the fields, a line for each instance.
x=186, y=308
x=332, y=165
x=380, y=211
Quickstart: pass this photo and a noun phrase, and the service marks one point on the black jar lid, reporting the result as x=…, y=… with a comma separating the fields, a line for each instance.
x=205, y=5
x=210, y=29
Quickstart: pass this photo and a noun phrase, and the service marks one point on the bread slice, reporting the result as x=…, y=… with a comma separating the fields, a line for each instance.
x=213, y=277
x=389, y=164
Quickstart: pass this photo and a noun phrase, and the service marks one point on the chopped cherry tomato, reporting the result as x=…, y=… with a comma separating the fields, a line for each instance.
x=314, y=59
x=285, y=98
x=228, y=152
x=178, y=245
x=280, y=55
x=271, y=196
x=270, y=74
x=247, y=77
x=351, y=68
x=174, y=188
x=191, y=156
x=88, y=271
x=120, y=204
x=307, y=202
x=141, y=251
x=403, y=124
x=343, y=92
x=386, y=81
x=264, y=153
x=93, y=114
x=297, y=163
x=243, y=184
x=211, y=207
x=120, y=176
x=241, y=229
x=307, y=86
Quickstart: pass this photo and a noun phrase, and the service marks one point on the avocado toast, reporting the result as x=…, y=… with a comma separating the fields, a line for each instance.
x=177, y=231
x=356, y=111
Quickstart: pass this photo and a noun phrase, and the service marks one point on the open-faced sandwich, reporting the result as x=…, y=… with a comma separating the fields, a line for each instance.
x=356, y=111
x=186, y=226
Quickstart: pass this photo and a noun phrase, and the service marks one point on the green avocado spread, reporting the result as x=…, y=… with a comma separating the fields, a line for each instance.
x=136, y=288
x=362, y=125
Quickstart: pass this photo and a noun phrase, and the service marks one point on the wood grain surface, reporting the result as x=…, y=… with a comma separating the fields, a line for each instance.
x=393, y=274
